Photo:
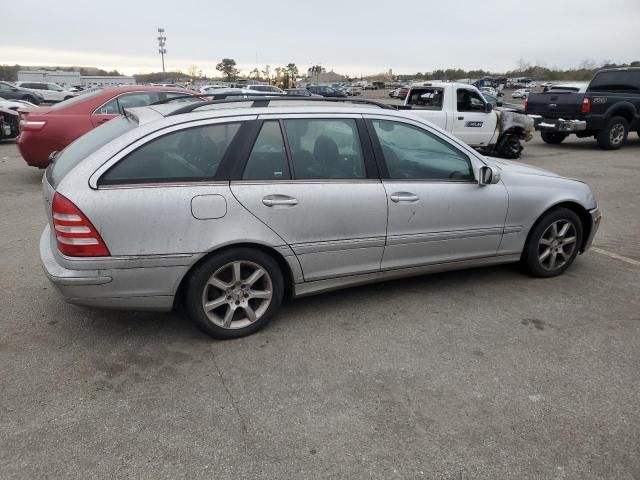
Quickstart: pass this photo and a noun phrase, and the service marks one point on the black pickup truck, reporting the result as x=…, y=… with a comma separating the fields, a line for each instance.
x=608, y=110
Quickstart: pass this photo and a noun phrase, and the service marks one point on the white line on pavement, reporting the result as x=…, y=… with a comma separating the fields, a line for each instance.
x=628, y=260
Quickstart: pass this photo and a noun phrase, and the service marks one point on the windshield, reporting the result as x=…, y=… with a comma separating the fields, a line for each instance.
x=73, y=100
x=85, y=146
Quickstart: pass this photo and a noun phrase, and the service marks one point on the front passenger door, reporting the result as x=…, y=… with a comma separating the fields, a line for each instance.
x=437, y=210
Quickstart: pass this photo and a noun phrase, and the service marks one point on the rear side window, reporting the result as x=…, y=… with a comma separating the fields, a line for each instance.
x=190, y=154
x=85, y=146
x=268, y=159
x=623, y=80
x=129, y=100
x=325, y=148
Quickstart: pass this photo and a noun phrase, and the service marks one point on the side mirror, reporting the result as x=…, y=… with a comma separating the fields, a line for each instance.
x=488, y=108
x=488, y=176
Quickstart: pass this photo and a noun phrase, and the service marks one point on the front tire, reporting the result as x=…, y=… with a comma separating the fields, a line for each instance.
x=553, y=243
x=553, y=138
x=235, y=293
x=31, y=99
x=509, y=147
x=614, y=134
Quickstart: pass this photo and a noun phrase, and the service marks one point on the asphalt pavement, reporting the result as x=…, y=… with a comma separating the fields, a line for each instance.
x=479, y=374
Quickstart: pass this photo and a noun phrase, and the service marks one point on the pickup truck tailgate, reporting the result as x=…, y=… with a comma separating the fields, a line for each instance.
x=555, y=104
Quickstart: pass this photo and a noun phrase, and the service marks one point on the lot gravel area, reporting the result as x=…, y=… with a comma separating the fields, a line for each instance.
x=479, y=374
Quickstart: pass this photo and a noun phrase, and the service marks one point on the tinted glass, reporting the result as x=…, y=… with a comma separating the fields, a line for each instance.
x=4, y=86
x=624, y=80
x=85, y=146
x=323, y=149
x=189, y=154
x=414, y=154
x=268, y=159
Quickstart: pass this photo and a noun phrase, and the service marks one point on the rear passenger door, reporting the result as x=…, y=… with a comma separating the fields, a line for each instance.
x=314, y=182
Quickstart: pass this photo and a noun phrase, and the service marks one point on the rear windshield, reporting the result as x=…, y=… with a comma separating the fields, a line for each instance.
x=77, y=99
x=621, y=81
x=85, y=146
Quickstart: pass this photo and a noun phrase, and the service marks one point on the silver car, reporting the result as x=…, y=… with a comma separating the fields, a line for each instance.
x=229, y=206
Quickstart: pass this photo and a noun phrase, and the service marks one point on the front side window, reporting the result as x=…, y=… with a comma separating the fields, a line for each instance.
x=469, y=101
x=325, y=148
x=185, y=155
x=54, y=87
x=414, y=154
x=268, y=159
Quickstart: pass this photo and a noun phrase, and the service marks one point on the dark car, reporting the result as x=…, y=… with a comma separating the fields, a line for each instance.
x=9, y=92
x=608, y=110
x=300, y=92
x=325, y=91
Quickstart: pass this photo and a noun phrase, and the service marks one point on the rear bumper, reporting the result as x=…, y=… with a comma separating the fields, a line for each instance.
x=596, y=218
x=140, y=288
x=558, y=124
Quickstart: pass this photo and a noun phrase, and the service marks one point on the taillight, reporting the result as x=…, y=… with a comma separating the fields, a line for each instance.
x=586, y=105
x=75, y=235
x=31, y=125
x=526, y=103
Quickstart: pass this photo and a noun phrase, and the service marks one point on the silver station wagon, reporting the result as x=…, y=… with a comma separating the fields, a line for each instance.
x=231, y=205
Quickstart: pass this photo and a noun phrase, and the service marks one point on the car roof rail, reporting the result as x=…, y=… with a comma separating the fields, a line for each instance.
x=264, y=100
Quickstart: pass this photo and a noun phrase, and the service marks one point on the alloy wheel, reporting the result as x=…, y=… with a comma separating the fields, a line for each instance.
x=557, y=245
x=237, y=294
x=616, y=135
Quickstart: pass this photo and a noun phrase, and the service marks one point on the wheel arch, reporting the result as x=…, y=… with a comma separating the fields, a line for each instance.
x=582, y=213
x=623, y=109
x=285, y=268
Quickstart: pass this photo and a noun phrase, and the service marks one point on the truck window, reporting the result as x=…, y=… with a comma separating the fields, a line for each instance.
x=469, y=101
x=616, y=80
x=428, y=98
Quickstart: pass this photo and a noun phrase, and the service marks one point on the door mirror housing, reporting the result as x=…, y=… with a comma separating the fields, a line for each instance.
x=488, y=175
x=488, y=108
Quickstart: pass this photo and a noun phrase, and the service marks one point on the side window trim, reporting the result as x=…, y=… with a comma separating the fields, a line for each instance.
x=382, y=164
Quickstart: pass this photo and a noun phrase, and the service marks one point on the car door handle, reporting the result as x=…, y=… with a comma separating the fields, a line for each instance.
x=274, y=200
x=460, y=118
x=404, y=197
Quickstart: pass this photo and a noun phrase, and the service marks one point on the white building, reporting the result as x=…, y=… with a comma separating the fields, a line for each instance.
x=60, y=77
x=95, y=80
x=64, y=78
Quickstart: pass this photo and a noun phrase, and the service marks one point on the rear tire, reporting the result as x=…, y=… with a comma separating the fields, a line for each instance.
x=553, y=138
x=31, y=99
x=553, y=244
x=234, y=293
x=614, y=134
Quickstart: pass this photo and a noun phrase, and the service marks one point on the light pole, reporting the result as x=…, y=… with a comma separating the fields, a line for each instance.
x=162, y=41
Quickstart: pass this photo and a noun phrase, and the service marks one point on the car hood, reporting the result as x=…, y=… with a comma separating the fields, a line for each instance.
x=508, y=166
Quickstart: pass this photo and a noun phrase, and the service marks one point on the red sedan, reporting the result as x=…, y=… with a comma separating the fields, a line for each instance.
x=48, y=129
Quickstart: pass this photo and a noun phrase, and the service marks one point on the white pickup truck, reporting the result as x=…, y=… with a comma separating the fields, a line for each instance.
x=461, y=109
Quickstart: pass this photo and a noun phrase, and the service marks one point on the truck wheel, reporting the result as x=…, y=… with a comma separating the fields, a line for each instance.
x=553, y=138
x=509, y=147
x=614, y=134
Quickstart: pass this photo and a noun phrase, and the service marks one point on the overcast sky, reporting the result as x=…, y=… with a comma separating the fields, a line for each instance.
x=351, y=37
